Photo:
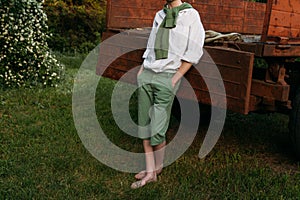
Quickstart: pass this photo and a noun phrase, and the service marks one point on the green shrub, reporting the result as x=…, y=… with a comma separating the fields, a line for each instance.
x=25, y=58
x=75, y=24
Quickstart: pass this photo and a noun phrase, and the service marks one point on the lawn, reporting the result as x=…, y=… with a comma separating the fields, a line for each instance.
x=42, y=156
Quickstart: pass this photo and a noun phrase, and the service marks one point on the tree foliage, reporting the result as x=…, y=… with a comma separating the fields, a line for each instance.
x=75, y=24
x=25, y=57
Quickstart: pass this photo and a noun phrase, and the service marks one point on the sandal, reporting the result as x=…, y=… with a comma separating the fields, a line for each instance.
x=141, y=183
x=143, y=173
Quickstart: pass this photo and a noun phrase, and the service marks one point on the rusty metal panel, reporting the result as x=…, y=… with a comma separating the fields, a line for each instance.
x=219, y=15
x=283, y=20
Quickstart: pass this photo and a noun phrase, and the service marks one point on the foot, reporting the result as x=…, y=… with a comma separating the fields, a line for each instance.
x=150, y=177
x=143, y=173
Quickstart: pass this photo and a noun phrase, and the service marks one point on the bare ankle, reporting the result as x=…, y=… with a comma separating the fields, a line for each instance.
x=150, y=175
x=158, y=171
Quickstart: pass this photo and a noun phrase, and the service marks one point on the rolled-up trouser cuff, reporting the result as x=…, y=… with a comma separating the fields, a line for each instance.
x=155, y=98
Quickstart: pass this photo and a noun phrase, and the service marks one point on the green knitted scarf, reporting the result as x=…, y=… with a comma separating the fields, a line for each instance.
x=161, y=46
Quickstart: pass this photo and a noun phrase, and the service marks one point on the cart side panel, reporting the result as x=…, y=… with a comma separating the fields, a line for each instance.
x=284, y=20
x=232, y=16
x=131, y=14
x=235, y=68
x=223, y=16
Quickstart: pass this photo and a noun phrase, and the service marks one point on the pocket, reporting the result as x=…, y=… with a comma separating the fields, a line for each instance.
x=176, y=87
x=139, y=78
x=139, y=75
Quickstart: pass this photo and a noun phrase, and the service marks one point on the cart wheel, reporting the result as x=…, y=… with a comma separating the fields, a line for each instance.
x=294, y=124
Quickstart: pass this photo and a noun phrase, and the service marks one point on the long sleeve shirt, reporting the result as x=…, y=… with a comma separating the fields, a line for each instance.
x=186, y=42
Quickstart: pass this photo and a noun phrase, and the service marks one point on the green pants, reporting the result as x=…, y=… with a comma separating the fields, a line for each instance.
x=155, y=98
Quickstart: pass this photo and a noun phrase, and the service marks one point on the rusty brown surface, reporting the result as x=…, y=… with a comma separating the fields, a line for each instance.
x=276, y=73
x=223, y=16
x=121, y=52
x=282, y=20
x=276, y=92
x=131, y=13
x=243, y=94
x=281, y=50
x=231, y=16
x=256, y=48
x=268, y=50
x=267, y=17
x=235, y=72
x=234, y=66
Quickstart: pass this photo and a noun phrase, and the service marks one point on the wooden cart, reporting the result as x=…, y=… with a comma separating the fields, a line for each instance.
x=272, y=88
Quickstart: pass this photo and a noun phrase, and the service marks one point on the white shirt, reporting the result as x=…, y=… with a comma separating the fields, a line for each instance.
x=186, y=42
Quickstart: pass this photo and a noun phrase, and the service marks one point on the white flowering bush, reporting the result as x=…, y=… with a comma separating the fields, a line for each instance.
x=25, y=57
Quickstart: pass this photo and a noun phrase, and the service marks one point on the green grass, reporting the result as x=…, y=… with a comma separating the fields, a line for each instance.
x=42, y=156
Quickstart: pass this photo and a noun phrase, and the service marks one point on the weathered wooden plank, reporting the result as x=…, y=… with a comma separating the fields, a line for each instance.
x=218, y=15
x=219, y=3
x=131, y=14
x=270, y=91
x=230, y=16
x=241, y=64
x=275, y=31
x=295, y=20
x=198, y=83
x=235, y=74
x=284, y=20
x=287, y=5
x=254, y=15
x=280, y=18
x=267, y=17
x=131, y=17
x=281, y=50
x=256, y=48
x=138, y=3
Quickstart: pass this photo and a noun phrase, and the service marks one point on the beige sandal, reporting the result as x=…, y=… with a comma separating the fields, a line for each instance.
x=143, y=173
x=139, y=184
x=140, y=175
